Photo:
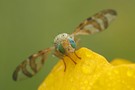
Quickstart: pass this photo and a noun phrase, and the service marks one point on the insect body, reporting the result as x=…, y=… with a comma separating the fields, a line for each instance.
x=64, y=44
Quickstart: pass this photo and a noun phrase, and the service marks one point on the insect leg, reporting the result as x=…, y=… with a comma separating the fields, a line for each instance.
x=77, y=55
x=64, y=64
x=71, y=59
x=61, y=57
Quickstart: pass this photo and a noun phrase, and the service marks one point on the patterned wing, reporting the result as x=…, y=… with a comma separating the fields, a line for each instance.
x=31, y=66
x=98, y=22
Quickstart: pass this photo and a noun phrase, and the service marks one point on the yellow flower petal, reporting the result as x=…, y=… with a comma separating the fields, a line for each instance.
x=92, y=72
x=120, y=61
x=117, y=78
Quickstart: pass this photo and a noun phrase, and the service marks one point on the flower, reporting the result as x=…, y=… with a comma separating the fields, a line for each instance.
x=92, y=72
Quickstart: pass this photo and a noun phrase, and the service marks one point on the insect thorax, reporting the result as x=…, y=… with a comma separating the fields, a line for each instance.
x=61, y=37
x=64, y=43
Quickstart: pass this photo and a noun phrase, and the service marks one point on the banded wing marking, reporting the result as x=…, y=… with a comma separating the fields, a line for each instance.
x=96, y=23
x=31, y=66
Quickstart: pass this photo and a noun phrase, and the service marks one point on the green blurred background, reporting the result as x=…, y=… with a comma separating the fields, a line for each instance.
x=27, y=26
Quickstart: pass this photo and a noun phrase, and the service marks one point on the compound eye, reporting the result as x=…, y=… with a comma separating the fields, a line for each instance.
x=60, y=48
x=72, y=42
